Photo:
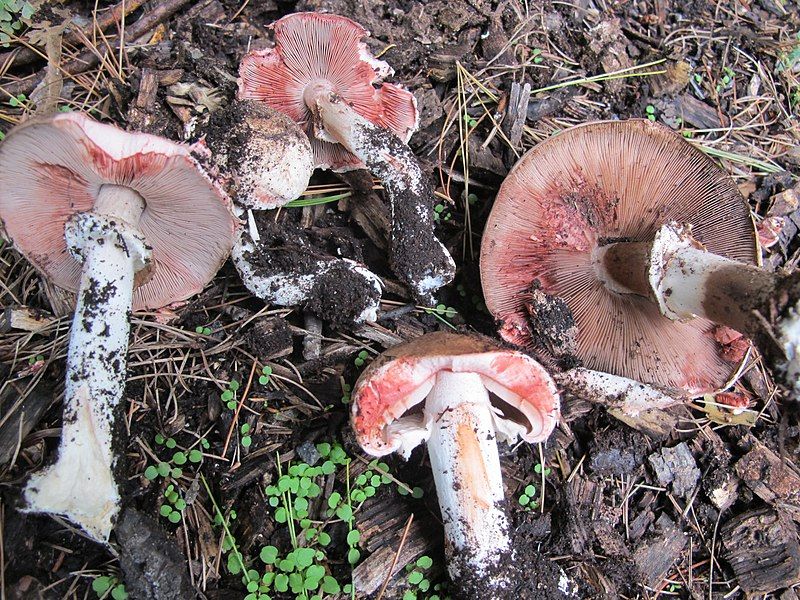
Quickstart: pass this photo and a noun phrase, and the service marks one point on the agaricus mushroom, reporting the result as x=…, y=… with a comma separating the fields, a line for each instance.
x=473, y=392
x=583, y=226
x=128, y=221
x=264, y=160
x=284, y=268
x=263, y=156
x=321, y=74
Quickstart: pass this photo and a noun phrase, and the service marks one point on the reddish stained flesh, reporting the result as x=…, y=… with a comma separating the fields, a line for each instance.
x=382, y=397
x=473, y=475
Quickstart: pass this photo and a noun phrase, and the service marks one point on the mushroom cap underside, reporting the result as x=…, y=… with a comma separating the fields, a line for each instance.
x=53, y=168
x=600, y=183
x=314, y=49
x=402, y=376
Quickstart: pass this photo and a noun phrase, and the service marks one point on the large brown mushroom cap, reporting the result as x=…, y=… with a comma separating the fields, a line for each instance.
x=51, y=169
x=596, y=184
x=313, y=49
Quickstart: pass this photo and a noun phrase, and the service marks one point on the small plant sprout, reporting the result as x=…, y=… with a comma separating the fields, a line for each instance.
x=109, y=586
x=266, y=375
x=321, y=74
x=441, y=213
x=346, y=390
x=453, y=375
x=415, y=576
x=229, y=395
x=173, y=506
x=245, y=440
x=536, y=53
x=650, y=110
x=361, y=358
x=128, y=221
x=202, y=330
x=526, y=499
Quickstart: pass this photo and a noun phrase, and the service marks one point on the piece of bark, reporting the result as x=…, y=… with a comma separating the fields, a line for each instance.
x=381, y=526
x=312, y=341
x=771, y=479
x=154, y=567
x=19, y=418
x=655, y=557
x=697, y=113
x=676, y=466
x=761, y=546
x=516, y=112
x=376, y=333
x=366, y=208
x=269, y=338
x=25, y=319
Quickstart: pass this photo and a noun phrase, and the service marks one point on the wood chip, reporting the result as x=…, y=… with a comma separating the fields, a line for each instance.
x=654, y=558
x=761, y=546
x=772, y=479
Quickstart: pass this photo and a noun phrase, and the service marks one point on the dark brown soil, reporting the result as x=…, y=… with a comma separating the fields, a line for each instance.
x=609, y=518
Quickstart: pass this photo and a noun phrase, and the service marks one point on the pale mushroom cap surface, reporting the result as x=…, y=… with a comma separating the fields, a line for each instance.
x=600, y=183
x=323, y=49
x=51, y=169
x=401, y=378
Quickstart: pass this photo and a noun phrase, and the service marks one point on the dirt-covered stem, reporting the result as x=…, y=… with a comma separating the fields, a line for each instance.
x=80, y=485
x=417, y=256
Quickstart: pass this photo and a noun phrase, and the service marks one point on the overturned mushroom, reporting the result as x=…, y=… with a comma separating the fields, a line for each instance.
x=572, y=233
x=321, y=74
x=263, y=156
x=127, y=221
x=284, y=267
x=265, y=160
x=454, y=375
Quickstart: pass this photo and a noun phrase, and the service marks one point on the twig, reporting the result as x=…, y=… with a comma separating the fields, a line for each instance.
x=89, y=58
x=235, y=419
x=396, y=556
x=24, y=56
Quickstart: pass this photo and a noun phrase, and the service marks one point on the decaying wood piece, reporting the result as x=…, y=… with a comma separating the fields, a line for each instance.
x=516, y=112
x=24, y=318
x=381, y=525
x=761, y=546
x=655, y=557
x=773, y=480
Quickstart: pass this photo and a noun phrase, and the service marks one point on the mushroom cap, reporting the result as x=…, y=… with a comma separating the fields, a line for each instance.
x=313, y=48
x=600, y=183
x=53, y=168
x=266, y=154
x=402, y=377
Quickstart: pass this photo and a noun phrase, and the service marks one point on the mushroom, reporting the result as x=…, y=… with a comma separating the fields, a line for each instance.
x=283, y=267
x=128, y=221
x=455, y=375
x=583, y=237
x=321, y=74
x=265, y=160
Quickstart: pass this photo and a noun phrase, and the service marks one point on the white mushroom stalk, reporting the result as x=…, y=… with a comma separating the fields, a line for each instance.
x=686, y=281
x=466, y=468
x=299, y=286
x=80, y=485
x=129, y=222
x=454, y=375
x=417, y=256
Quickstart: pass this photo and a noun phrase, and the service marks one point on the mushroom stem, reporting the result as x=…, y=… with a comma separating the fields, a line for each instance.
x=686, y=281
x=418, y=257
x=466, y=469
x=80, y=485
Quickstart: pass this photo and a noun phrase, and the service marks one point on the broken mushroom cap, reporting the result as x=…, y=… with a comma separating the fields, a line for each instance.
x=55, y=168
x=316, y=52
x=403, y=376
x=588, y=187
x=264, y=156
